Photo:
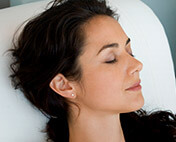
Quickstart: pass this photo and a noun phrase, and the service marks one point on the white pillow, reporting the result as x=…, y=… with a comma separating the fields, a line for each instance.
x=21, y=122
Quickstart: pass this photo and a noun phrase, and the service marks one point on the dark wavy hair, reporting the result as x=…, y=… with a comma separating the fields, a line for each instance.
x=51, y=43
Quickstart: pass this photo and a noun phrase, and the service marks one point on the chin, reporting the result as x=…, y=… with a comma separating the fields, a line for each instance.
x=134, y=106
x=138, y=105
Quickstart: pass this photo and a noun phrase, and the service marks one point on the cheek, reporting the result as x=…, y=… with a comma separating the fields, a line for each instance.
x=103, y=89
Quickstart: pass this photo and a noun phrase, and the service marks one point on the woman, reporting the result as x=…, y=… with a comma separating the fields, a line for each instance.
x=74, y=63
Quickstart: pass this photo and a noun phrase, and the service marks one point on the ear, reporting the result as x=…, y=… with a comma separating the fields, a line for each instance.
x=62, y=86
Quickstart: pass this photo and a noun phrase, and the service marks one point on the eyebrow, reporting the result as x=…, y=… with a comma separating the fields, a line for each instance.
x=112, y=45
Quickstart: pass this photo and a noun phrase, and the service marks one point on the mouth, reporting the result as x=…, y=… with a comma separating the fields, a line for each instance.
x=135, y=87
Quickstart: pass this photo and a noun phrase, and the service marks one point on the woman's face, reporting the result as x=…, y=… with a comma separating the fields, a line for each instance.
x=104, y=83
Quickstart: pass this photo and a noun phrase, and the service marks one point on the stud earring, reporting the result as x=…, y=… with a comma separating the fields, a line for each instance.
x=73, y=95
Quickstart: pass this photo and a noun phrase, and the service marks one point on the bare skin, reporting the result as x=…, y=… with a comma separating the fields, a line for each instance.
x=103, y=95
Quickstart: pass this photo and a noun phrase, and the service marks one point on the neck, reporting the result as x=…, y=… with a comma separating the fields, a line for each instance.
x=93, y=127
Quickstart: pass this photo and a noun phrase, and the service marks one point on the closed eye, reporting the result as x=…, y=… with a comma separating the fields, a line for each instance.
x=115, y=60
x=112, y=61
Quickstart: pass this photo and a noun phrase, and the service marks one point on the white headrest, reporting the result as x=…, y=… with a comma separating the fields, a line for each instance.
x=21, y=122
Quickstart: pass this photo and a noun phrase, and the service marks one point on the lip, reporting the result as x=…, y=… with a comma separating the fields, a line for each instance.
x=135, y=87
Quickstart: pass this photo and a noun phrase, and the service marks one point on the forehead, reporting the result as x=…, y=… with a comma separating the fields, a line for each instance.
x=101, y=30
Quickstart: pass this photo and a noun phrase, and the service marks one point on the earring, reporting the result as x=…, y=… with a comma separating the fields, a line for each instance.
x=73, y=95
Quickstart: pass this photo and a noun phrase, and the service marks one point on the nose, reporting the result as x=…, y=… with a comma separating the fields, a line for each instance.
x=135, y=66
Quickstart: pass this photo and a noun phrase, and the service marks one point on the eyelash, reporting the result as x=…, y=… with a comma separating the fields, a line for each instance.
x=113, y=61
